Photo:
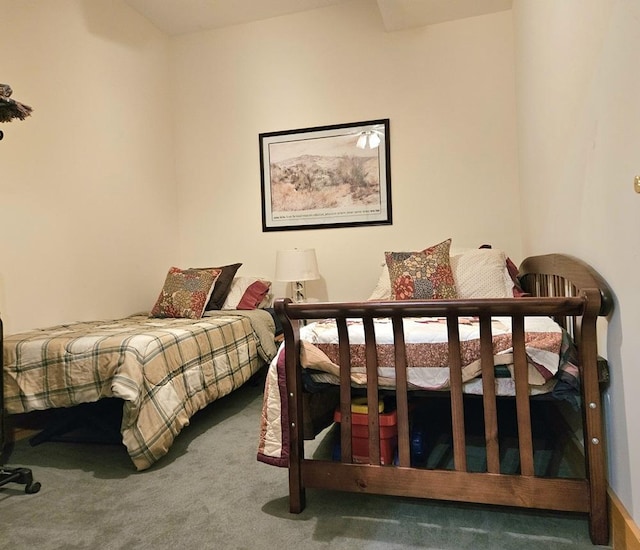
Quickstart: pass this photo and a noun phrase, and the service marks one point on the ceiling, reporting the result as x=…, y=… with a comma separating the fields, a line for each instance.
x=184, y=16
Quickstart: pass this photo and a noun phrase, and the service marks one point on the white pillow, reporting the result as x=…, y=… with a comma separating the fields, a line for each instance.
x=478, y=273
x=238, y=287
x=482, y=273
x=382, y=292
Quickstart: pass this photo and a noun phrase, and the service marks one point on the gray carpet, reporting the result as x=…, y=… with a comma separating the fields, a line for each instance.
x=210, y=492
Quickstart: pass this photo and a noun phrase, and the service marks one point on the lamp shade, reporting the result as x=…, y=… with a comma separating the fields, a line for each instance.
x=296, y=265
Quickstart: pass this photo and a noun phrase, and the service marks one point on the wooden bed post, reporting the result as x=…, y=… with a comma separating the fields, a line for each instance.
x=599, y=302
x=297, y=500
x=592, y=419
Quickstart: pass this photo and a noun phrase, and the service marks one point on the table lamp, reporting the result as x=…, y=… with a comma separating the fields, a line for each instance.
x=297, y=266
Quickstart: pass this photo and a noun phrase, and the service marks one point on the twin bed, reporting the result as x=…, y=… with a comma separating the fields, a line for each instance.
x=164, y=366
x=465, y=376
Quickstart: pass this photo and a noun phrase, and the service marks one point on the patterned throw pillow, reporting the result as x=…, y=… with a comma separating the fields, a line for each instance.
x=185, y=293
x=422, y=275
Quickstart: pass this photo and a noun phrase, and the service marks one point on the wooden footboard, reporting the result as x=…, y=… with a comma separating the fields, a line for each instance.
x=560, y=287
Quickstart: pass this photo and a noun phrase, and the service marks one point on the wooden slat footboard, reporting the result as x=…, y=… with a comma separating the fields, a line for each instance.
x=562, y=288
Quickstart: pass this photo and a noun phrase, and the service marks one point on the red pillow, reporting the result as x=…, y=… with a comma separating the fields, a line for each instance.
x=254, y=294
x=518, y=291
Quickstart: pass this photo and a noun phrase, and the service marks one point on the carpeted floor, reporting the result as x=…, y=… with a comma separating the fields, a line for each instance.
x=210, y=492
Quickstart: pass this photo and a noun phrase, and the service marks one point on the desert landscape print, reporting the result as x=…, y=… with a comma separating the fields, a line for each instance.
x=327, y=173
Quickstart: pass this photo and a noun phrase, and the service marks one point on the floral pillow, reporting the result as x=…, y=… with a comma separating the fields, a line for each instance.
x=185, y=293
x=422, y=275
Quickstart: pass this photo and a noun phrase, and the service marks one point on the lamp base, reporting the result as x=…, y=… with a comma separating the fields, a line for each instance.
x=299, y=293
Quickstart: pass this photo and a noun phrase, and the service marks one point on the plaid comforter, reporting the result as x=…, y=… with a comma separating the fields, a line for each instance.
x=165, y=370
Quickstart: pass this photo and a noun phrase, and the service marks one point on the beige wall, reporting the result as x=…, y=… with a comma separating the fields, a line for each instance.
x=93, y=208
x=447, y=89
x=88, y=221
x=578, y=117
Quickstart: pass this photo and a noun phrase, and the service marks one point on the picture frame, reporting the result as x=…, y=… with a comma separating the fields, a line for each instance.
x=326, y=176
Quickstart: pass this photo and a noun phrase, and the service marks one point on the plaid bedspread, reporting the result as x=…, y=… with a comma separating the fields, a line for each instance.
x=427, y=358
x=165, y=370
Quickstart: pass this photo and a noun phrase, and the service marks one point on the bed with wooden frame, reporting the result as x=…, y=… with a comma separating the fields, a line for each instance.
x=560, y=287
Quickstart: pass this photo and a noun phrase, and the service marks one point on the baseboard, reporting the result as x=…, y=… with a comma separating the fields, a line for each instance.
x=625, y=534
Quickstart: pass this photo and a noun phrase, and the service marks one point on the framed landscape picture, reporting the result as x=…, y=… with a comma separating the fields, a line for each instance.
x=326, y=176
